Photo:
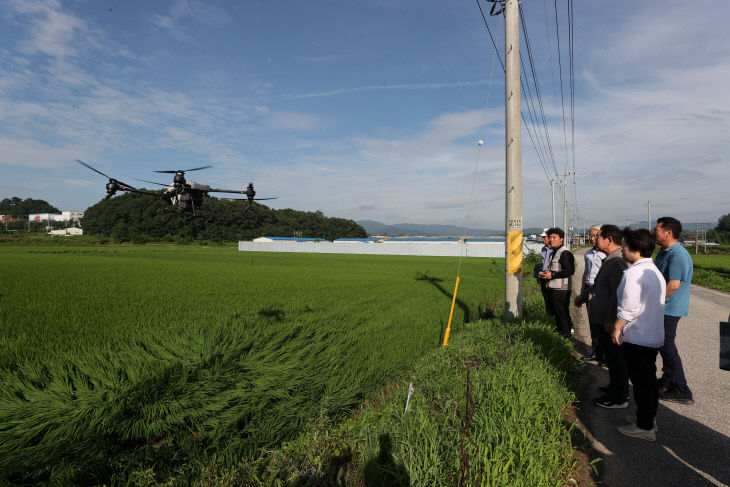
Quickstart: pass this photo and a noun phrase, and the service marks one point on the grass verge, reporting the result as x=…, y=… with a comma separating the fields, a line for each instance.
x=487, y=410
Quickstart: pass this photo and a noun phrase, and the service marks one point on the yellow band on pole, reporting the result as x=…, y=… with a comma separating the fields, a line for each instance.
x=453, y=301
x=514, y=253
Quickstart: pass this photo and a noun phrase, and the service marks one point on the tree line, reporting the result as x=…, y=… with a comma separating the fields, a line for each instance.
x=21, y=208
x=721, y=233
x=137, y=217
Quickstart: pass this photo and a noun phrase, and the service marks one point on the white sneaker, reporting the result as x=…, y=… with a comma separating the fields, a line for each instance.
x=632, y=420
x=635, y=432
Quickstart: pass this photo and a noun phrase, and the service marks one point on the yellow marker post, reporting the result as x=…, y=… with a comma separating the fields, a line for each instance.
x=451, y=314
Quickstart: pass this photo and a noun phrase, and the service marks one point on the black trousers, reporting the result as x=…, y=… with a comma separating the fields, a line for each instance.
x=618, y=387
x=641, y=362
x=560, y=301
x=672, y=369
x=546, y=297
x=595, y=334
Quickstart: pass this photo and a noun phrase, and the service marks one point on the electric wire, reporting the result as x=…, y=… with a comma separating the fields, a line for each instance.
x=496, y=50
x=476, y=162
x=535, y=81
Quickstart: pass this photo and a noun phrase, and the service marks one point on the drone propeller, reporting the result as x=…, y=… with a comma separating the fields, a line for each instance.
x=93, y=169
x=183, y=171
x=113, y=185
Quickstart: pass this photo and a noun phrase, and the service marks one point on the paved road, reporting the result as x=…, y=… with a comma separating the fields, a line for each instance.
x=693, y=442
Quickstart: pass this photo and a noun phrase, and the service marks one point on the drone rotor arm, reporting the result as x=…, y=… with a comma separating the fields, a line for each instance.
x=234, y=191
x=152, y=182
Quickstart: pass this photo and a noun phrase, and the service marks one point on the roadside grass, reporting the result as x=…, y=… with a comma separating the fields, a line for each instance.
x=486, y=410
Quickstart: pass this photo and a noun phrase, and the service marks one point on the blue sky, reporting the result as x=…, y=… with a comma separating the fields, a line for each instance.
x=365, y=109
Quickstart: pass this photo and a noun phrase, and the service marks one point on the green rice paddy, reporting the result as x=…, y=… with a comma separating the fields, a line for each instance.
x=712, y=271
x=117, y=358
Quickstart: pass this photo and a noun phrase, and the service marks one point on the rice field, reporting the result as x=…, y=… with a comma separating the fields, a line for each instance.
x=117, y=358
x=712, y=270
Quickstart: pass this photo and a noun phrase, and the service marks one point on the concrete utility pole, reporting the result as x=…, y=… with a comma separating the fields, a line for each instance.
x=513, y=141
x=648, y=206
x=552, y=189
x=565, y=208
x=697, y=238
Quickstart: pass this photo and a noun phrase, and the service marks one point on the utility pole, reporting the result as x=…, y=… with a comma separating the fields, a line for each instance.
x=552, y=189
x=697, y=238
x=565, y=208
x=513, y=141
x=648, y=207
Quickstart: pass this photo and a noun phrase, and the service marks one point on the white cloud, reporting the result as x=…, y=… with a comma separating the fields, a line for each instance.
x=298, y=122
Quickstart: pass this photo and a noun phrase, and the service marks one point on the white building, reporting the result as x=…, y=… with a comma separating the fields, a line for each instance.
x=64, y=216
x=72, y=215
x=67, y=231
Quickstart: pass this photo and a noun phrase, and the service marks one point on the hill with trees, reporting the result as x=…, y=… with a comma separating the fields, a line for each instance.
x=21, y=208
x=721, y=233
x=137, y=218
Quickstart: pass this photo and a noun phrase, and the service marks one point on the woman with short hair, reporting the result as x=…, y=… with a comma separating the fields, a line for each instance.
x=639, y=328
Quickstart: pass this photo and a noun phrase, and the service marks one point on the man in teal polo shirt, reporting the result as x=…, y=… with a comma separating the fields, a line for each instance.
x=675, y=263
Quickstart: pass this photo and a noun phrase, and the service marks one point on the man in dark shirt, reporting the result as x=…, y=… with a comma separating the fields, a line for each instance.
x=602, y=315
x=560, y=268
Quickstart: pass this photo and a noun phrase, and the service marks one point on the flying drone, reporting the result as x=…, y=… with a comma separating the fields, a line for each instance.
x=186, y=196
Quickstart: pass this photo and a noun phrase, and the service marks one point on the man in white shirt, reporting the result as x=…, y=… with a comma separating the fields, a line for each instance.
x=639, y=328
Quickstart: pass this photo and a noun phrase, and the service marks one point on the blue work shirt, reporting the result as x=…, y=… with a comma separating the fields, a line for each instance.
x=675, y=264
x=545, y=254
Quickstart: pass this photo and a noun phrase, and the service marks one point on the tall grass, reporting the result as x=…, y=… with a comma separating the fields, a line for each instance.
x=116, y=360
x=487, y=410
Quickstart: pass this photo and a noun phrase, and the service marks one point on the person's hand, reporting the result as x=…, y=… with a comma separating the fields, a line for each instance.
x=547, y=275
x=616, y=336
x=578, y=301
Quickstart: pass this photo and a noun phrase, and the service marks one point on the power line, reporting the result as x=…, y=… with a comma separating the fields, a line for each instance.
x=537, y=86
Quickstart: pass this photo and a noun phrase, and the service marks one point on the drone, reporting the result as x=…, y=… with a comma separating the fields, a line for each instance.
x=186, y=196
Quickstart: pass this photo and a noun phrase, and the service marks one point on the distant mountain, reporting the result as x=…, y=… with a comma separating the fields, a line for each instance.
x=378, y=228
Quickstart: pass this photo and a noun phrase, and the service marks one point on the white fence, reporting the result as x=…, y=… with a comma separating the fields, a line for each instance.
x=492, y=249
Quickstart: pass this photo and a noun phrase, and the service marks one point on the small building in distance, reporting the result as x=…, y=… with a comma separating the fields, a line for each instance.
x=67, y=232
x=64, y=216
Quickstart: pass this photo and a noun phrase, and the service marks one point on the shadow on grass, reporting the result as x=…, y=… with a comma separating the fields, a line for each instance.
x=434, y=281
x=551, y=346
x=383, y=470
x=332, y=474
x=274, y=314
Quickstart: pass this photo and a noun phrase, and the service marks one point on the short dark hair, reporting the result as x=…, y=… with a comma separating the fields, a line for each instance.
x=640, y=240
x=612, y=232
x=669, y=223
x=556, y=230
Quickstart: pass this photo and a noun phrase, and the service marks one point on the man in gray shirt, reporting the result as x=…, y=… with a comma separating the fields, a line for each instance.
x=602, y=316
x=593, y=260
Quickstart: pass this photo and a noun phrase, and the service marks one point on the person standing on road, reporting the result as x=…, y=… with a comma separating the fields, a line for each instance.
x=675, y=263
x=593, y=259
x=639, y=328
x=545, y=255
x=603, y=301
x=561, y=267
